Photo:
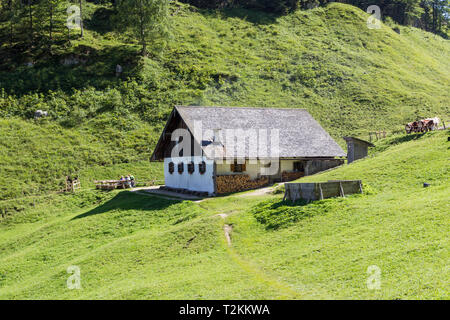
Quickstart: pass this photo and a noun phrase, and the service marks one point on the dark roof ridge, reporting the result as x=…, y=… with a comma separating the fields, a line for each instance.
x=252, y=108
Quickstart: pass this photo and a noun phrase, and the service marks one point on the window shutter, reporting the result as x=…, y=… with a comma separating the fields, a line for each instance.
x=232, y=167
x=244, y=167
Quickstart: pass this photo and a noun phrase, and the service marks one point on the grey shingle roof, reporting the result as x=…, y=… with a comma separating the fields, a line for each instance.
x=370, y=144
x=300, y=134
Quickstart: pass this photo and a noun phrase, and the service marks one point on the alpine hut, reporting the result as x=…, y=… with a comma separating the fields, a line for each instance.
x=218, y=150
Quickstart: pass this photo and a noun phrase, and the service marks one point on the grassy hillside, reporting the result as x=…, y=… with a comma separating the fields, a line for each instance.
x=135, y=246
x=352, y=79
x=36, y=157
x=325, y=59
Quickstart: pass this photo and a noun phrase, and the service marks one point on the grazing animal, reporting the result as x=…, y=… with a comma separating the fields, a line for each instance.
x=40, y=114
x=436, y=122
x=409, y=128
x=425, y=125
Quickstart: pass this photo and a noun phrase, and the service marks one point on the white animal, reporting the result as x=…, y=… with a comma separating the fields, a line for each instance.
x=436, y=122
x=39, y=114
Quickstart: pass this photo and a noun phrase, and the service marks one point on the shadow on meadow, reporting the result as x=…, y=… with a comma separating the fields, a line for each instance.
x=127, y=200
x=78, y=68
x=275, y=214
x=102, y=21
x=398, y=140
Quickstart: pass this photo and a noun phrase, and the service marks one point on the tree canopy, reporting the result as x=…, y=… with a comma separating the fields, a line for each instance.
x=146, y=18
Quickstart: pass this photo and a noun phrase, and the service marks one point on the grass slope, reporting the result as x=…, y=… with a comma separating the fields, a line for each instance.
x=352, y=79
x=133, y=246
x=36, y=157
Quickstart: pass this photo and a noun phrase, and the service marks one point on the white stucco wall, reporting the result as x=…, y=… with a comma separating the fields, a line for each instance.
x=195, y=181
x=253, y=170
x=287, y=165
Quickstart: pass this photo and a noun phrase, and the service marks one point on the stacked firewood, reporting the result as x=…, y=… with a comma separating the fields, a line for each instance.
x=238, y=182
x=292, y=175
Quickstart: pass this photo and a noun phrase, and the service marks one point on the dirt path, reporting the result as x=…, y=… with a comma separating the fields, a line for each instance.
x=259, y=192
x=286, y=292
x=227, y=229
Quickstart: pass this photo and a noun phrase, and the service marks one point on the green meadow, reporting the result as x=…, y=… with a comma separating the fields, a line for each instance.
x=128, y=245
x=133, y=246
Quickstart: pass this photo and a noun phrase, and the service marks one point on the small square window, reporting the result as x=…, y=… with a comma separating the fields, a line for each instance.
x=299, y=166
x=238, y=167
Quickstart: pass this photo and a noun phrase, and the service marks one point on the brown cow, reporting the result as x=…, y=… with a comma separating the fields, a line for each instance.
x=421, y=126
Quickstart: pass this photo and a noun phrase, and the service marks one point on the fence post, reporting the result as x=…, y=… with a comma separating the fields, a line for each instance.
x=321, y=192
x=341, y=189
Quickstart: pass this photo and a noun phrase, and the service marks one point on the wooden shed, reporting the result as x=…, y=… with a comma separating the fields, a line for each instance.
x=357, y=148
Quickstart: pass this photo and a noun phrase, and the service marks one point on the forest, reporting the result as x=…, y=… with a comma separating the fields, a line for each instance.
x=148, y=17
x=430, y=15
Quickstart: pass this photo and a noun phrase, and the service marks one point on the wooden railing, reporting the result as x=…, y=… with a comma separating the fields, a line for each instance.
x=321, y=190
x=377, y=134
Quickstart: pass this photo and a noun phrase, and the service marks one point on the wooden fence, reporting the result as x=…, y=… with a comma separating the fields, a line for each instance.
x=377, y=134
x=72, y=186
x=321, y=190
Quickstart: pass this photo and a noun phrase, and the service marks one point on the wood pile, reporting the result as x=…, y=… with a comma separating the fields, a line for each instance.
x=291, y=175
x=238, y=182
x=112, y=184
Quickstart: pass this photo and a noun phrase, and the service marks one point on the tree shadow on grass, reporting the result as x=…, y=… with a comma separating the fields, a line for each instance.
x=274, y=215
x=408, y=137
x=102, y=20
x=78, y=68
x=397, y=140
x=130, y=201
